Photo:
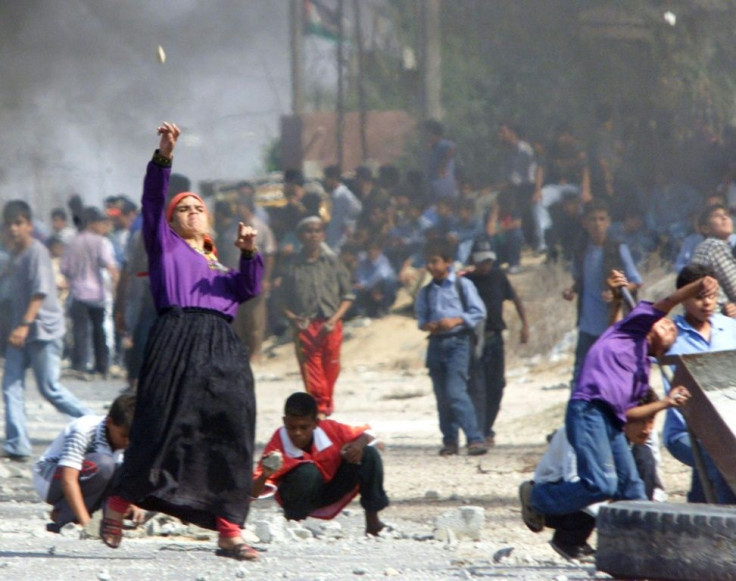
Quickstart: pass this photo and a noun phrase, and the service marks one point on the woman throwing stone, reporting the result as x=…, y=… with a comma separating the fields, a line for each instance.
x=191, y=442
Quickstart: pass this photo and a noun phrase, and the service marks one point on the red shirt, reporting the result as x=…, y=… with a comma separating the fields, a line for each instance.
x=327, y=441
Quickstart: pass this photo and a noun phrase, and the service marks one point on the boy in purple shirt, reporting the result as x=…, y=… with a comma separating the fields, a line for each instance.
x=614, y=376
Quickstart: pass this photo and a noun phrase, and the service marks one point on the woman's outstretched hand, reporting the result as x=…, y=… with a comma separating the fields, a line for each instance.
x=169, y=133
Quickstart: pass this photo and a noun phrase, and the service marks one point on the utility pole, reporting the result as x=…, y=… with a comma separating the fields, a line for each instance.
x=340, y=89
x=431, y=59
x=292, y=148
x=361, y=88
x=297, y=65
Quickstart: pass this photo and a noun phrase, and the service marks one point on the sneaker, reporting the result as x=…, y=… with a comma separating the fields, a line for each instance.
x=490, y=441
x=582, y=553
x=477, y=449
x=20, y=458
x=449, y=450
x=532, y=519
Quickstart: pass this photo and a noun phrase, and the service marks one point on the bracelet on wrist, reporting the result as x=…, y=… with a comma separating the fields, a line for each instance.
x=161, y=160
x=248, y=254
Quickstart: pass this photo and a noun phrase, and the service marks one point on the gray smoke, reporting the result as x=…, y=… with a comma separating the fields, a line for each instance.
x=82, y=90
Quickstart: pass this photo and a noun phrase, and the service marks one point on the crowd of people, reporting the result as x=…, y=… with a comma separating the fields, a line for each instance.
x=142, y=288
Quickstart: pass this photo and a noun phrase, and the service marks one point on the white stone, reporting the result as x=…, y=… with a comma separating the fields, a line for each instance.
x=272, y=530
x=71, y=531
x=332, y=529
x=300, y=533
x=466, y=521
x=104, y=575
x=273, y=461
x=391, y=572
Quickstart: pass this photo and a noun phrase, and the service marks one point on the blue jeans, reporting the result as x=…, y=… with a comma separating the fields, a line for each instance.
x=448, y=361
x=43, y=357
x=681, y=448
x=605, y=464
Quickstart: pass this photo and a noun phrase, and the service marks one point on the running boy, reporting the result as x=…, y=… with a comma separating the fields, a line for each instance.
x=36, y=338
x=318, y=466
x=449, y=309
x=613, y=378
x=75, y=471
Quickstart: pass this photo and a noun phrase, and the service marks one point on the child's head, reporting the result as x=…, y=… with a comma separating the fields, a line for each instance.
x=59, y=219
x=119, y=420
x=439, y=254
x=700, y=308
x=375, y=247
x=716, y=222
x=445, y=207
x=571, y=203
x=466, y=210
x=349, y=253
x=596, y=220
x=661, y=336
x=56, y=246
x=482, y=255
x=638, y=431
x=18, y=222
x=300, y=418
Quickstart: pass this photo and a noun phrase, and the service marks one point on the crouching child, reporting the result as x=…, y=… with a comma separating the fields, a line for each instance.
x=75, y=472
x=559, y=463
x=318, y=466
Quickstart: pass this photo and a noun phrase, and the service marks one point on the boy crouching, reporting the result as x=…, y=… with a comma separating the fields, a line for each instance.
x=75, y=472
x=318, y=466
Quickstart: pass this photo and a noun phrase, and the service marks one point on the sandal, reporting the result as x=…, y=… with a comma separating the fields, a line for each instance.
x=111, y=532
x=240, y=552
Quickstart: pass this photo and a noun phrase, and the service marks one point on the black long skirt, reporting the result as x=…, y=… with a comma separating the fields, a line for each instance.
x=191, y=441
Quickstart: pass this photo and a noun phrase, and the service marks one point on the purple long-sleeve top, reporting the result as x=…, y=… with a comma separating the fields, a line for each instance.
x=616, y=369
x=180, y=275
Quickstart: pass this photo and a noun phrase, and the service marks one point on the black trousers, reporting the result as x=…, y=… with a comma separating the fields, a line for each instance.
x=303, y=489
x=83, y=317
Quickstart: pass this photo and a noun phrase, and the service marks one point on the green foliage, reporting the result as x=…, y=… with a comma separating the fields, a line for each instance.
x=537, y=63
x=272, y=156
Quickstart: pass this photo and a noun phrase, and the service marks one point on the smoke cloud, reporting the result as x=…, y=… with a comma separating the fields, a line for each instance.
x=82, y=91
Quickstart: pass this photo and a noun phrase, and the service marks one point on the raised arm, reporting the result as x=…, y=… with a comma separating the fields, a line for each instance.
x=155, y=187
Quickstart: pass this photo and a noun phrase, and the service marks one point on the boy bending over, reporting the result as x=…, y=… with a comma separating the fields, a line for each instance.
x=318, y=466
x=613, y=378
x=75, y=472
